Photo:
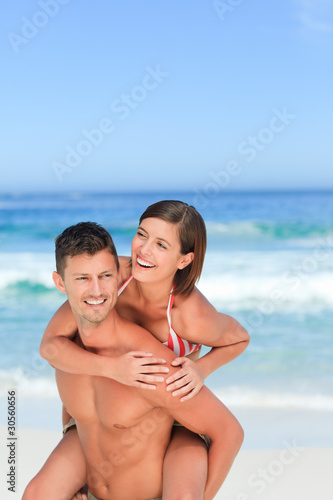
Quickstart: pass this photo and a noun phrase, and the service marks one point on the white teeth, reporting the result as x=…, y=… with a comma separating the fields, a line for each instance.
x=94, y=302
x=142, y=263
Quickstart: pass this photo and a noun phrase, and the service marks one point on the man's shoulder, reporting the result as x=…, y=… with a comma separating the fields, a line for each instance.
x=124, y=268
x=141, y=339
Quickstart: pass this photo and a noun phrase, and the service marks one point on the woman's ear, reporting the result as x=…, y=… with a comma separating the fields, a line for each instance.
x=58, y=282
x=185, y=260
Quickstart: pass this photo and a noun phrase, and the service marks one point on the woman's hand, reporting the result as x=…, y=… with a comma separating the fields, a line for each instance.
x=186, y=381
x=137, y=369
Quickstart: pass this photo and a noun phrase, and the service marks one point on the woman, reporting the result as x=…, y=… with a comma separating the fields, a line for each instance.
x=158, y=285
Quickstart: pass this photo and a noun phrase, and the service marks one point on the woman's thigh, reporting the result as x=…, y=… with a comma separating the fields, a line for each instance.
x=63, y=473
x=185, y=466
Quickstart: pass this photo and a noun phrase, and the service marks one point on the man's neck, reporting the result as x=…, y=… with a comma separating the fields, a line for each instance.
x=98, y=337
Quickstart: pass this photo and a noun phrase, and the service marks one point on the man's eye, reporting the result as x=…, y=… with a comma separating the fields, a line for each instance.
x=81, y=278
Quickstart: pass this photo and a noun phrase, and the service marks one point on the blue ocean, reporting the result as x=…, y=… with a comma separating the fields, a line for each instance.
x=269, y=263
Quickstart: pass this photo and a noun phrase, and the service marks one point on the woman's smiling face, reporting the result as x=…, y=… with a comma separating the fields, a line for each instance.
x=156, y=252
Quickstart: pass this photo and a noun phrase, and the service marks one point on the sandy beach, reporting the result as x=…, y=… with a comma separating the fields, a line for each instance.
x=287, y=453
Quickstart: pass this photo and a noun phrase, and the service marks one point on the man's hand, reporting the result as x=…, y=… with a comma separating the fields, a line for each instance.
x=137, y=369
x=186, y=381
x=80, y=496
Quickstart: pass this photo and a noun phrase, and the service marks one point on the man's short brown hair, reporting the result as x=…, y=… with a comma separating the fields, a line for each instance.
x=84, y=237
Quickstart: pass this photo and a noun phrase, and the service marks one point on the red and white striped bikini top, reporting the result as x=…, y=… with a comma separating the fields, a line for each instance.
x=179, y=346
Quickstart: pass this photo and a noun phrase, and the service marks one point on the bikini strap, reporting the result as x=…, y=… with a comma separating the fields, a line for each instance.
x=124, y=285
x=170, y=304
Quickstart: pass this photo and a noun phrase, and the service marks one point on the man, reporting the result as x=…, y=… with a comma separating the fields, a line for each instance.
x=124, y=431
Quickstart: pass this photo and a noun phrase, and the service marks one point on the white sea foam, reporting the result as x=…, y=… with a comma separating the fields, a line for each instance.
x=237, y=396
x=242, y=228
x=35, y=268
x=268, y=297
x=273, y=281
x=260, y=231
x=27, y=386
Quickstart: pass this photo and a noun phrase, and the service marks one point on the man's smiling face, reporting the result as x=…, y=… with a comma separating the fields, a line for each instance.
x=91, y=285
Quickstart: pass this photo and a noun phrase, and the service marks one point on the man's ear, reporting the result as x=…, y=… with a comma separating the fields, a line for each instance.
x=58, y=282
x=185, y=260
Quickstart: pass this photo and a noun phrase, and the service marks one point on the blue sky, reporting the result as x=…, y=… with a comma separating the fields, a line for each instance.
x=177, y=95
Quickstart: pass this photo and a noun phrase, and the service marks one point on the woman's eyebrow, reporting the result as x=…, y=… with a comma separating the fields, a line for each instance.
x=161, y=239
x=165, y=241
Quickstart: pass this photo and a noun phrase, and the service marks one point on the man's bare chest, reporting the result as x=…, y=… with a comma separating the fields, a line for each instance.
x=101, y=400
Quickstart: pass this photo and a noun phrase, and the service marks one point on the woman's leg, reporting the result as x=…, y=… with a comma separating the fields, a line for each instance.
x=62, y=475
x=185, y=466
